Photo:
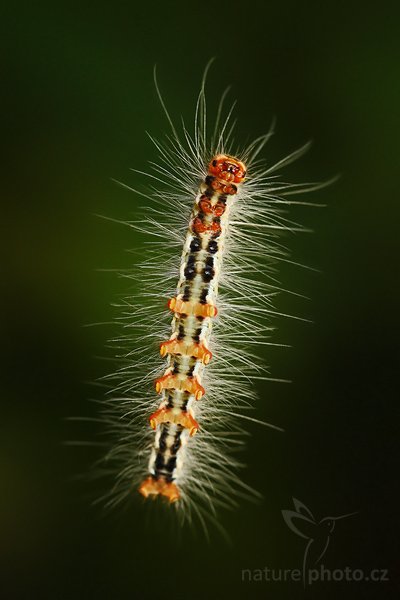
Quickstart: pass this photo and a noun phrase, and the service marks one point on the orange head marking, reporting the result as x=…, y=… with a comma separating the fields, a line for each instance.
x=228, y=169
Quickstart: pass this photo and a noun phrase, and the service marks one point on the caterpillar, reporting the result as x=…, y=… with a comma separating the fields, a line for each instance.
x=194, y=307
x=202, y=306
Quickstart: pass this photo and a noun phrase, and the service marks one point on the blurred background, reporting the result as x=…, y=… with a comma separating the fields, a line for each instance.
x=77, y=98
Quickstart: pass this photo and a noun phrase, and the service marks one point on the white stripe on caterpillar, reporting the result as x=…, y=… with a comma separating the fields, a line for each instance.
x=226, y=281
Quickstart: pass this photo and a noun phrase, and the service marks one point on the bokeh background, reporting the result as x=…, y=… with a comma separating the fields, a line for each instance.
x=77, y=97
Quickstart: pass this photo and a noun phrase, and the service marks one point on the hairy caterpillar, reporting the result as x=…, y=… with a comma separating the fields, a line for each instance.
x=213, y=224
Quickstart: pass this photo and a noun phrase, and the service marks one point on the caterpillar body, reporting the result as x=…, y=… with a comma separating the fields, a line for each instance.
x=213, y=224
x=194, y=308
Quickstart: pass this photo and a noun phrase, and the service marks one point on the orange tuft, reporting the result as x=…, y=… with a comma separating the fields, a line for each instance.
x=207, y=208
x=199, y=226
x=170, y=415
x=197, y=350
x=189, y=307
x=182, y=383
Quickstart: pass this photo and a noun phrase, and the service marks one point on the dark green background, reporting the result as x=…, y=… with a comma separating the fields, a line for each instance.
x=77, y=98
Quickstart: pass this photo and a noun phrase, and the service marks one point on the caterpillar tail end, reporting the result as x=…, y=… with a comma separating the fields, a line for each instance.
x=159, y=487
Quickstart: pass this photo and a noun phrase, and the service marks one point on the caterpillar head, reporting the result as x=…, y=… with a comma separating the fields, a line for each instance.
x=227, y=168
